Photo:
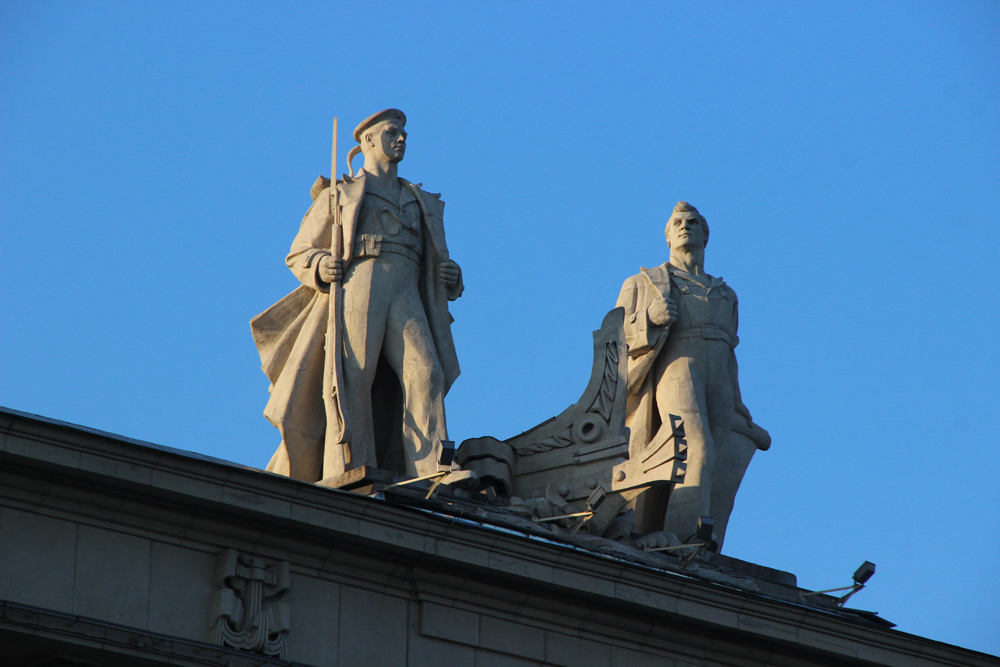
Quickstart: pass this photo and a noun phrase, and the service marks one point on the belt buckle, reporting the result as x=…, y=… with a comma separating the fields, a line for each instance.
x=710, y=333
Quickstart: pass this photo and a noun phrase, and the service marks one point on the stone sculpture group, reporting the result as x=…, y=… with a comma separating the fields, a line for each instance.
x=662, y=426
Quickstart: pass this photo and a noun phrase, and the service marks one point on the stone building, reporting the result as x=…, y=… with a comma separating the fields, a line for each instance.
x=120, y=552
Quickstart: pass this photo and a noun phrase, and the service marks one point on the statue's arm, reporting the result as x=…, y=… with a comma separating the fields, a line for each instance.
x=448, y=271
x=312, y=244
x=640, y=334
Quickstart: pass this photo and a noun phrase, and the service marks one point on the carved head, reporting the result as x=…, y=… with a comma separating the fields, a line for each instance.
x=686, y=227
x=382, y=136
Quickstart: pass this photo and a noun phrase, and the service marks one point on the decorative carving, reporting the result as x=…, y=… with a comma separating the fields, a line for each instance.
x=247, y=610
x=559, y=463
x=587, y=429
x=663, y=460
x=605, y=400
x=562, y=439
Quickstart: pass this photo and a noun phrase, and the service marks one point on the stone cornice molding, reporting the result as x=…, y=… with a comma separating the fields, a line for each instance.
x=209, y=504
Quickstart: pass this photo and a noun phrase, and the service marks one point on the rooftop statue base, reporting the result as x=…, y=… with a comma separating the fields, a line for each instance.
x=122, y=552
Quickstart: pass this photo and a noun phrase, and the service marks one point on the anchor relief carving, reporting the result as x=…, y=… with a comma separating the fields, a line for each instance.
x=247, y=609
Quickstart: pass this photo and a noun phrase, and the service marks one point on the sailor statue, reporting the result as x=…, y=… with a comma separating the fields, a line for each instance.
x=681, y=329
x=397, y=360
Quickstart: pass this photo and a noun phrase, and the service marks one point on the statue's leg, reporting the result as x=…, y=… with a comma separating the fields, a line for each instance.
x=680, y=390
x=367, y=298
x=734, y=459
x=651, y=505
x=409, y=349
x=721, y=403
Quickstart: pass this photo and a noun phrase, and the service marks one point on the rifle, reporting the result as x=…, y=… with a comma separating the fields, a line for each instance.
x=337, y=449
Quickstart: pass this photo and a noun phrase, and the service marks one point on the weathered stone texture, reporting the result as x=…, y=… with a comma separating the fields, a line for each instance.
x=97, y=565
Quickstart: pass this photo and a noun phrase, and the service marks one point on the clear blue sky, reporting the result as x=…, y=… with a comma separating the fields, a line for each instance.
x=157, y=157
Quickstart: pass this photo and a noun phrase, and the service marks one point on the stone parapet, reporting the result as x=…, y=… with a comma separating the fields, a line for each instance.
x=124, y=550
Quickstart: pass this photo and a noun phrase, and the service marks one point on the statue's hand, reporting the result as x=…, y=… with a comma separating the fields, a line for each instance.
x=662, y=311
x=760, y=437
x=331, y=270
x=449, y=273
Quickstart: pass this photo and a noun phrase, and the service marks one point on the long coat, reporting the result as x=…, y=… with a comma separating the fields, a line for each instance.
x=644, y=340
x=290, y=334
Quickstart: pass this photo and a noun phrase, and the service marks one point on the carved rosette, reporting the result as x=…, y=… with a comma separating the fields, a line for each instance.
x=247, y=609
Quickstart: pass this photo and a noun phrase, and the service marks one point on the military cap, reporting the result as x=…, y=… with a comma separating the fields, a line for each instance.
x=386, y=114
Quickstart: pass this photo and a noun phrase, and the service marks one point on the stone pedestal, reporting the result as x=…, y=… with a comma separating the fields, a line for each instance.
x=118, y=552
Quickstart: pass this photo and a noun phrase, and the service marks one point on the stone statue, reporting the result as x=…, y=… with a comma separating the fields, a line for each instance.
x=398, y=353
x=681, y=329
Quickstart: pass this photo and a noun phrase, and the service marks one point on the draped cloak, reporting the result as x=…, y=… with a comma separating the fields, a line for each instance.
x=290, y=335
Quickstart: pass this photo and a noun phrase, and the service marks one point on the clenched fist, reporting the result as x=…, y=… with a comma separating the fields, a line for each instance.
x=449, y=273
x=331, y=269
x=662, y=311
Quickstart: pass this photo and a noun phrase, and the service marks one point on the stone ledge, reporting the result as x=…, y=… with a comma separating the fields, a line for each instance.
x=92, y=638
x=325, y=531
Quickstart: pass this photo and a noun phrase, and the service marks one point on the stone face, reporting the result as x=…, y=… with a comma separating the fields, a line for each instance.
x=492, y=659
x=376, y=281
x=623, y=657
x=681, y=329
x=449, y=623
x=434, y=641
x=570, y=651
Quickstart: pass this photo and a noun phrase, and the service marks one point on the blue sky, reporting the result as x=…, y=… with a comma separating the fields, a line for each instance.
x=157, y=158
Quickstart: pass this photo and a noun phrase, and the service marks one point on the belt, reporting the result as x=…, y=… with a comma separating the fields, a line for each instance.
x=707, y=332
x=398, y=249
x=372, y=245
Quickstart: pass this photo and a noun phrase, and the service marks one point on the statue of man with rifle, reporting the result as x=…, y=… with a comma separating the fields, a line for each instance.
x=376, y=280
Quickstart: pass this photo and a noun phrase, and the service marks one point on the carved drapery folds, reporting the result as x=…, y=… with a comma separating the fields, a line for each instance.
x=247, y=609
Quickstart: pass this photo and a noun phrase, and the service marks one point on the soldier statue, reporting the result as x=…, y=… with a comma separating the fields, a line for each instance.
x=681, y=329
x=398, y=355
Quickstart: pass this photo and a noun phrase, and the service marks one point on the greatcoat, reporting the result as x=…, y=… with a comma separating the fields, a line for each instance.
x=290, y=334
